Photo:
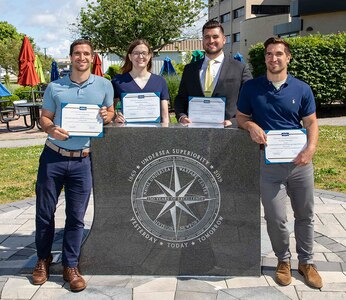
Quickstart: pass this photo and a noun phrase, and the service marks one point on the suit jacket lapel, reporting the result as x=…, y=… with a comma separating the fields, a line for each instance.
x=225, y=68
x=196, y=75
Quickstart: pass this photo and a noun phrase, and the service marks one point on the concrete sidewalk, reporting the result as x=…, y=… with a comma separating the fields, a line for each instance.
x=18, y=257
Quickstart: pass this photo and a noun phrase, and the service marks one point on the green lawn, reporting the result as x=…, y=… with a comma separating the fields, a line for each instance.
x=330, y=159
x=18, y=166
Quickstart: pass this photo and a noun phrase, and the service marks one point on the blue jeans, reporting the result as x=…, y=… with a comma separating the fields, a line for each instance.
x=74, y=174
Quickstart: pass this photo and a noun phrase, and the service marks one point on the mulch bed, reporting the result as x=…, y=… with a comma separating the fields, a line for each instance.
x=333, y=110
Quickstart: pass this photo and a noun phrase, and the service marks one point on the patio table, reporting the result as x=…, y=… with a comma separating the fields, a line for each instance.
x=34, y=114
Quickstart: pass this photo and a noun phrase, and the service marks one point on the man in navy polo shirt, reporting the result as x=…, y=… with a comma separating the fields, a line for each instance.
x=274, y=102
x=65, y=163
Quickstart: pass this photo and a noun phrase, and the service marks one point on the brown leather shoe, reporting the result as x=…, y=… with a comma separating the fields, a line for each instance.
x=41, y=272
x=283, y=273
x=311, y=276
x=74, y=278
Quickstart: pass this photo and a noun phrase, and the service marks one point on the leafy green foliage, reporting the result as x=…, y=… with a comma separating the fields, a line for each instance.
x=173, y=83
x=10, y=44
x=319, y=60
x=113, y=70
x=46, y=65
x=113, y=24
x=9, y=53
x=24, y=92
x=107, y=76
x=179, y=68
x=10, y=98
x=8, y=31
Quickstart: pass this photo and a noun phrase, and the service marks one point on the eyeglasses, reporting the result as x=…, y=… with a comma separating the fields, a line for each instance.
x=137, y=53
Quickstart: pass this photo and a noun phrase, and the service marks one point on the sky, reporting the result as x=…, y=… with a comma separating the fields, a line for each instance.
x=48, y=22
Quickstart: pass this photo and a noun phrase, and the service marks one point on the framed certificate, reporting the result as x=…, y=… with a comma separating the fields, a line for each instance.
x=141, y=107
x=283, y=146
x=207, y=109
x=81, y=119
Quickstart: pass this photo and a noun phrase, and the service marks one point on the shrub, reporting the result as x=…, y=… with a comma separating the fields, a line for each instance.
x=113, y=70
x=178, y=67
x=173, y=83
x=107, y=76
x=10, y=98
x=24, y=92
x=319, y=60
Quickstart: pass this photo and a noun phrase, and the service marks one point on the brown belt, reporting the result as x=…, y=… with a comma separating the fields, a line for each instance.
x=68, y=153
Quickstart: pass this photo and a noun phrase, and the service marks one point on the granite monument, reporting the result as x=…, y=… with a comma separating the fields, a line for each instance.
x=174, y=201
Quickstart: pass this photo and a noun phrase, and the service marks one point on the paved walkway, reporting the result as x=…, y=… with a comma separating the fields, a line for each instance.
x=18, y=257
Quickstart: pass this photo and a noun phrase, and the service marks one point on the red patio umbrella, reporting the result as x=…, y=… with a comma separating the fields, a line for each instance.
x=97, y=65
x=27, y=75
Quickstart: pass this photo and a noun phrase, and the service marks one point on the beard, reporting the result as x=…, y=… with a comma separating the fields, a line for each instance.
x=214, y=51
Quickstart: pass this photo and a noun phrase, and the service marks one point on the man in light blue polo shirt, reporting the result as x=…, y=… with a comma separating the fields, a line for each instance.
x=274, y=102
x=65, y=163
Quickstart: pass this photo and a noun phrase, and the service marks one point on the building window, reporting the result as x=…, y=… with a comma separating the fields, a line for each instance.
x=237, y=13
x=225, y=18
x=228, y=39
x=236, y=37
x=288, y=35
x=270, y=9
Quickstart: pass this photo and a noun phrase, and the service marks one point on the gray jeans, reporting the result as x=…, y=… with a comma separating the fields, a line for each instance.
x=279, y=181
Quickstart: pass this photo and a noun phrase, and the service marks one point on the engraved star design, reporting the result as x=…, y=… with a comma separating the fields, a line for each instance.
x=172, y=199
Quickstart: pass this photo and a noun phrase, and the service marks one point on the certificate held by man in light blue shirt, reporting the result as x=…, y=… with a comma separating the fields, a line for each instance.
x=81, y=119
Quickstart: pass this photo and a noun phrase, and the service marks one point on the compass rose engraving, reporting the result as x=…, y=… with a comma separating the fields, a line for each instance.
x=175, y=198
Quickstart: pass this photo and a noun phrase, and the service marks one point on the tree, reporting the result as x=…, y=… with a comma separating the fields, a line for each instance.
x=112, y=24
x=46, y=61
x=10, y=43
x=8, y=31
x=9, y=52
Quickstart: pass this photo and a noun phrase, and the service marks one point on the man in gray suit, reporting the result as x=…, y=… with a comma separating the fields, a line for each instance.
x=228, y=75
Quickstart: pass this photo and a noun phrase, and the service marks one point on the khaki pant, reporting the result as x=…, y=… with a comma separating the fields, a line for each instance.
x=279, y=181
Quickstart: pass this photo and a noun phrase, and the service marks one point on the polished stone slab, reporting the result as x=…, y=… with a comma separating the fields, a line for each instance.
x=174, y=201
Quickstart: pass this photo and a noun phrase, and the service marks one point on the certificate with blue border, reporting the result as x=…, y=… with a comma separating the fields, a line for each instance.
x=283, y=146
x=207, y=109
x=141, y=107
x=81, y=119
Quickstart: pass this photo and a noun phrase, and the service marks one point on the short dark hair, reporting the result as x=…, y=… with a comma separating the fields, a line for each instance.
x=275, y=40
x=81, y=42
x=212, y=24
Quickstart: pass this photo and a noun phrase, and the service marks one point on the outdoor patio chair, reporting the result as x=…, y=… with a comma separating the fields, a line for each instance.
x=6, y=113
x=11, y=114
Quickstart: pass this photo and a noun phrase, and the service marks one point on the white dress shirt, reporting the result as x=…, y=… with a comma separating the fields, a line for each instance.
x=215, y=69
